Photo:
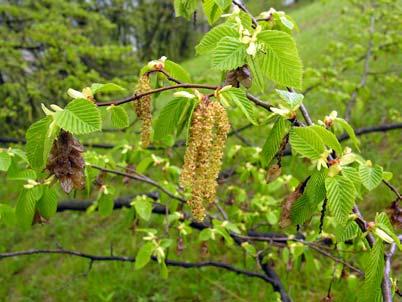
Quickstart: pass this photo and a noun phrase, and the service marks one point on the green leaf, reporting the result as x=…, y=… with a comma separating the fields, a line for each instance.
x=108, y=87
x=79, y=117
x=5, y=160
x=177, y=71
x=144, y=255
x=212, y=10
x=229, y=54
x=348, y=232
x=40, y=137
x=328, y=138
x=185, y=8
x=281, y=63
x=257, y=75
x=47, y=204
x=105, y=204
x=292, y=99
x=382, y=221
x=306, y=142
x=315, y=188
x=301, y=210
x=349, y=130
x=143, y=207
x=341, y=197
x=223, y=3
x=274, y=140
x=314, y=193
x=170, y=116
x=26, y=204
x=7, y=215
x=353, y=175
x=211, y=38
x=239, y=98
x=371, y=176
x=16, y=173
x=119, y=116
x=373, y=273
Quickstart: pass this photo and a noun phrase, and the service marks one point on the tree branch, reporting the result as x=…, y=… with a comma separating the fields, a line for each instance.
x=153, y=91
x=276, y=284
x=174, y=263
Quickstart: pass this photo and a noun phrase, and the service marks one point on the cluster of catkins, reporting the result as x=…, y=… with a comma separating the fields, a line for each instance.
x=66, y=162
x=202, y=161
x=143, y=109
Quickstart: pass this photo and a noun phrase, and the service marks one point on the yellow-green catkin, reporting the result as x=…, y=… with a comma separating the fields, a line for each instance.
x=143, y=109
x=221, y=130
x=202, y=160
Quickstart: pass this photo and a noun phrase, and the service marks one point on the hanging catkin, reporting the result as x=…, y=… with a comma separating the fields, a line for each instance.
x=143, y=110
x=202, y=161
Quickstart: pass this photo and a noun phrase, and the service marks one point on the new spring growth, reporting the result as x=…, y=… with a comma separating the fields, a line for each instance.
x=143, y=110
x=202, y=161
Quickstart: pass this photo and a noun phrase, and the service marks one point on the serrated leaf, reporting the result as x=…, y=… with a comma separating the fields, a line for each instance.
x=79, y=117
x=108, y=87
x=144, y=255
x=353, y=175
x=373, y=273
x=177, y=71
x=211, y=38
x=371, y=176
x=274, y=140
x=306, y=142
x=239, y=98
x=328, y=138
x=143, y=207
x=256, y=72
x=382, y=221
x=348, y=232
x=26, y=204
x=212, y=10
x=349, y=130
x=119, y=117
x=40, y=137
x=47, y=204
x=292, y=99
x=169, y=118
x=314, y=193
x=301, y=210
x=229, y=54
x=281, y=62
x=341, y=197
x=105, y=204
x=5, y=161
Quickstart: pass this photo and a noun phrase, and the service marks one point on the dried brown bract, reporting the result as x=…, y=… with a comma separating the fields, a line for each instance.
x=66, y=162
x=143, y=109
x=203, y=158
x=240, y=75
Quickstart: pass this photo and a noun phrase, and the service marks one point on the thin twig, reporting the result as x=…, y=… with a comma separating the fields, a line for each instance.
x=175, y=263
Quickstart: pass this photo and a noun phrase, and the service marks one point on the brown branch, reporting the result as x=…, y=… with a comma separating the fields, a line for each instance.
x=243, y=7
x=169, y=262
x=276, y=284
x=153, y=91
